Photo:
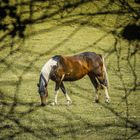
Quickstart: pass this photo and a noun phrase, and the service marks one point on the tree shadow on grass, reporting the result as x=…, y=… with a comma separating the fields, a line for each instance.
x=131, y=32
x=17, y=28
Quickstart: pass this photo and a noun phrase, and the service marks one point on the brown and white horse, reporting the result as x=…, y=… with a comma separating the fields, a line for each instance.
x=71, y=68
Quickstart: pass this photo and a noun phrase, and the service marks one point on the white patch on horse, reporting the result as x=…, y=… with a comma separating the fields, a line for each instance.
x=46, y=70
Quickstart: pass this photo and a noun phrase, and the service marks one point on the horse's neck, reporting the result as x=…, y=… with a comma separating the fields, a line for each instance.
x=46, y=70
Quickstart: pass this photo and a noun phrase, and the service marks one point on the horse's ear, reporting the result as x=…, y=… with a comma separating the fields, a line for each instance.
x=38, y=84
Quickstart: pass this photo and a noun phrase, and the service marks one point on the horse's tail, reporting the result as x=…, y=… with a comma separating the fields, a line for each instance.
x=106, y=82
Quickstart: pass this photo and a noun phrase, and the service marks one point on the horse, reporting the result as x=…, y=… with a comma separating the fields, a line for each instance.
x=61, y=68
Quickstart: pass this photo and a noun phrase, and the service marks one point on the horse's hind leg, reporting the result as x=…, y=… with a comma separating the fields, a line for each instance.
x=107, y=98
x=96, y=85
x=65, y=93
x=104, y=85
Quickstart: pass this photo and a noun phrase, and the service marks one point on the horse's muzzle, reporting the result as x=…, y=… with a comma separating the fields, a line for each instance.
x=43, y=99
x=43, y=104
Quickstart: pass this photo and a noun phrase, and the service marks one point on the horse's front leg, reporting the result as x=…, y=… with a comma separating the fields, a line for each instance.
x=56, y=94
x=55, y=97
x=66, y=94
x=57, y=85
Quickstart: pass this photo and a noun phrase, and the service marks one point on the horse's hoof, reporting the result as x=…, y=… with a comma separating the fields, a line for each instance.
x=96, y=100
x=53, y=103
x=107, y=100
x=69, y=102
x=43, y=104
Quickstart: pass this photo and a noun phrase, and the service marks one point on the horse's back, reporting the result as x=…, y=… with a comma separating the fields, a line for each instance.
x=91, y=55
x=73, y=67
x=87, y=60
x=93, y=60
x=76, y=66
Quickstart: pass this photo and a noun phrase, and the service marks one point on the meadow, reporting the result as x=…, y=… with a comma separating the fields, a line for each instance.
x=55, y=27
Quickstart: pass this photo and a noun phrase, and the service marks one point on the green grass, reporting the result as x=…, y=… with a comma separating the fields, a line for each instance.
x=22, y=117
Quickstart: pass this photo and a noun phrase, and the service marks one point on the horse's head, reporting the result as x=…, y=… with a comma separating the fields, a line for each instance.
x=42, y=89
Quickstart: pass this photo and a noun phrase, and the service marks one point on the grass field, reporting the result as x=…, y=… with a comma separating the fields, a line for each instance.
x=21, y=59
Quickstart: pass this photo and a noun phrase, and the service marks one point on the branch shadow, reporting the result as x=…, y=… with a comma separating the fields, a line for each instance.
x=15, y=30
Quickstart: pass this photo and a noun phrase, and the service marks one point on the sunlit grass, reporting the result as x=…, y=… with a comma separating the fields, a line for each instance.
x=22, y=117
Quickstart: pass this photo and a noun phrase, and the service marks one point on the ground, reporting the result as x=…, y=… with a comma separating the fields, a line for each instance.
x=22, y=117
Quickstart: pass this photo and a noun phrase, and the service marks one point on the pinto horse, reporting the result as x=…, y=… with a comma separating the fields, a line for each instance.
x=71, y=68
